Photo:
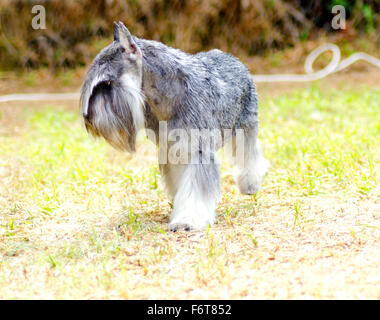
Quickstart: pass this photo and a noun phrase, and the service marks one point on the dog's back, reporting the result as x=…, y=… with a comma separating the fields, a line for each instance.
x=206, y=90
x=238, y=96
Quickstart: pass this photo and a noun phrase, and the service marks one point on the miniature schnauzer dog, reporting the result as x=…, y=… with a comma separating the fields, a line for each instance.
x=135, y=83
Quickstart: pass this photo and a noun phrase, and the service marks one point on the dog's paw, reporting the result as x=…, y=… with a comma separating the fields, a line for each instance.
x=174, y=227
x=248, y=183
x=249, y=179
x=249, y=188
x=188, y=223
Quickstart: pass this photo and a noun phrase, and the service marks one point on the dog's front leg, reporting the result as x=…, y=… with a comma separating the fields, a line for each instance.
x=195, y=191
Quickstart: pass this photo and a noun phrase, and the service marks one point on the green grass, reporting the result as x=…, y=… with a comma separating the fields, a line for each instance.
x=79, y=219
x=322, y=143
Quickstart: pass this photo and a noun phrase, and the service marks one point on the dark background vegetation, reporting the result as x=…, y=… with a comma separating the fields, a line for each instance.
x=76, y=30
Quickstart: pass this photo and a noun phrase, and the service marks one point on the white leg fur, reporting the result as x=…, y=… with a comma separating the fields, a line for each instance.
x=191, y=208
x=249, y=176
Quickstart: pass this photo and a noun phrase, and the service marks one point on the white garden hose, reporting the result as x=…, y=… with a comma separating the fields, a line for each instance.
x=335, y=65
x=39, y=97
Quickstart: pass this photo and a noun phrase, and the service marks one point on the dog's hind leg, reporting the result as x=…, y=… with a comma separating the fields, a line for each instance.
x=195, y=190
x=250, y=164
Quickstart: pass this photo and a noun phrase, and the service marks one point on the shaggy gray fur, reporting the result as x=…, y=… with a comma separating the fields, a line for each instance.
x=208, y=90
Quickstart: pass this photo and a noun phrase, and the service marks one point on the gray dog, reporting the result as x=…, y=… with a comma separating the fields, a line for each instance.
x=135, y=83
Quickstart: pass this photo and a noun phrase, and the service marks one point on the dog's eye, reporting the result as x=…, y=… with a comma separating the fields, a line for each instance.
x=122, y=50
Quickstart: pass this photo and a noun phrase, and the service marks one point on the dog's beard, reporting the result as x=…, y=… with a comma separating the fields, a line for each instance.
x=115, y=112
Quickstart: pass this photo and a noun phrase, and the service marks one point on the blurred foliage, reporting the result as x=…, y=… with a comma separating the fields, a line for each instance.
x=76, y=30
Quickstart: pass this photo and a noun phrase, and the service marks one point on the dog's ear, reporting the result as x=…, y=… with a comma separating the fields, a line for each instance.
x=126, y=40
x=115, y=31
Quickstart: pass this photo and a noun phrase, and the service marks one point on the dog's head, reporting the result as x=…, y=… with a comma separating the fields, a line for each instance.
x=111, y=97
